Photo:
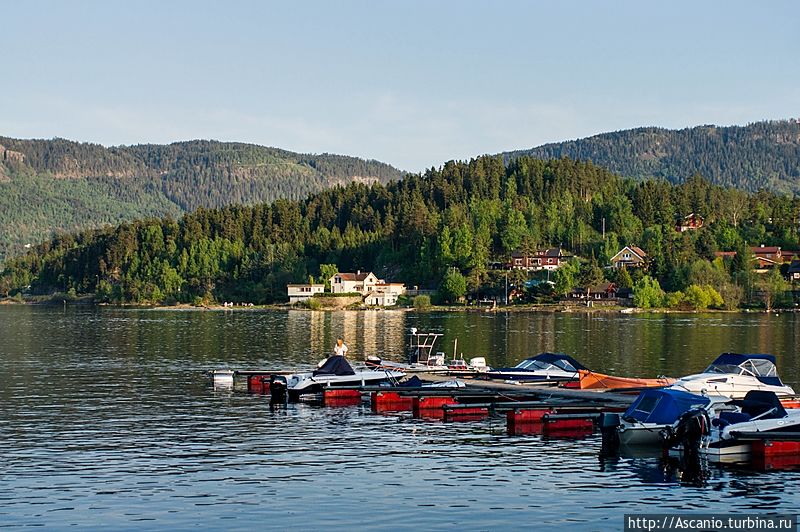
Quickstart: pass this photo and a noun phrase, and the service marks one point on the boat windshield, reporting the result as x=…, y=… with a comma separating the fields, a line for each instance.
x=533, y=364
x=647, y=404
x=563, y=364
x=752, y=367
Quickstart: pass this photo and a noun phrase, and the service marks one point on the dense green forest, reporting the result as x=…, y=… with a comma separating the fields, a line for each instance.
x=49, y=186
x=442, y=228
x=760, y=155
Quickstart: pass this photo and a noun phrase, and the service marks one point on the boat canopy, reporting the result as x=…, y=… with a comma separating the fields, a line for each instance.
x=335, y=365
x=760, y=366
x=761, y=403
x=663, y=406
x=550, y=361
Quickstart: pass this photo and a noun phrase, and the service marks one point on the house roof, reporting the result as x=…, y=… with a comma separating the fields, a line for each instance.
x=602, y=287
x=794, y=267
x=353, y=276
x=304, y=285
x=634, y=249
x=638, y=251
x=549, y=252
x=766, y=250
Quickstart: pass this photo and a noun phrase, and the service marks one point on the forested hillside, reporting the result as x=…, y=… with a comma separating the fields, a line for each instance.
x=48, y=186
x=761, y=155
x=454, y=221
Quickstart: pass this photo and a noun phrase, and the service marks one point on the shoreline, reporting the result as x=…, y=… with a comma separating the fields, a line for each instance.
x=86, y=301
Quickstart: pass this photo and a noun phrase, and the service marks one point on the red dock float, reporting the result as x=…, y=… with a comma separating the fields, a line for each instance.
x=341, y=397
x=527, y=415
x=466, y=414
x=772, y=454
x=391, y=402
x=775, y=448
x=431, y=407
x=258, y=384
x=535, y=421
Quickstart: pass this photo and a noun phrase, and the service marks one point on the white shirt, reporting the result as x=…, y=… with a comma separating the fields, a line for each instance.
x=340, y=350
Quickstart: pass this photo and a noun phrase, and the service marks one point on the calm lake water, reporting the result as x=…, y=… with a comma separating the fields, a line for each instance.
x=108, y=421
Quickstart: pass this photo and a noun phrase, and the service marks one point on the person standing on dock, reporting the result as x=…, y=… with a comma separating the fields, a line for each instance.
x=340, y=349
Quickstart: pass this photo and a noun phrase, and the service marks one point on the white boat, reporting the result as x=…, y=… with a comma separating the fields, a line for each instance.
x=542, y=367
x=733, y=375
x=335, y=371
x=423, y=359
x=728, y=435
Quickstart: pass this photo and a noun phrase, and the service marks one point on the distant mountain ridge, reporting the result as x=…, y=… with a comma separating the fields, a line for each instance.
x=762, y=155
x=56, y=185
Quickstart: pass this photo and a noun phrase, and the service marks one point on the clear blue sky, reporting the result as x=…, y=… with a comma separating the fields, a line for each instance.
x=411, y=83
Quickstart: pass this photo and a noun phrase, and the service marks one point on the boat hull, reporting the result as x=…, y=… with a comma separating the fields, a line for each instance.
x=530, y=376
x=728, y=385
x=308, y=383
x=590, y=380
x=641, y=434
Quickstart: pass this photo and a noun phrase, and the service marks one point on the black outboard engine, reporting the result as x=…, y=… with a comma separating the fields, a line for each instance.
x=277, y=390
x=609, y=422
x=688, y=431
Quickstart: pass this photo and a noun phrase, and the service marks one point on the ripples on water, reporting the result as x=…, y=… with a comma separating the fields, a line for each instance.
x=107, y=421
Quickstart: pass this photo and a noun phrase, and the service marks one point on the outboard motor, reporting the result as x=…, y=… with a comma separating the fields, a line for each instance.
x=688, y=431
x=277, y=390
x=609, y=423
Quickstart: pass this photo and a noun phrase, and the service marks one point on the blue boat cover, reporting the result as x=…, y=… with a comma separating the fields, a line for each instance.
x=663, y=406
x=552, y=357
x=335, y=365
x=758, y=402
x=735, y=358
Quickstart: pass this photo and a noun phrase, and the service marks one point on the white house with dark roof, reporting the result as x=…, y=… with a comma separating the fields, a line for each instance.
x=630, y=257
x=363, y=283
x=376, y=292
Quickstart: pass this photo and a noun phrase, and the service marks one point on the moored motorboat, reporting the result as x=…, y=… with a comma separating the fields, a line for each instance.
x=728, y=434
x=655, y=410
x=734, y=375
x=423, y=359
x=591, y=380
x=542, y=367
x=336, y=371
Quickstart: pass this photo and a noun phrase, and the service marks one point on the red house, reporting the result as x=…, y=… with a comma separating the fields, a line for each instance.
x=768, y=256
x=690, y=222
